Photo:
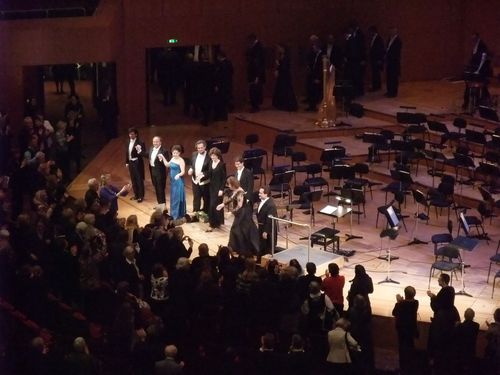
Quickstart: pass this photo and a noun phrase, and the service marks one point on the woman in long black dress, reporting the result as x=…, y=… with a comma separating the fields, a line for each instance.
x=284, y=96
x=243, y=236
x=217, y=176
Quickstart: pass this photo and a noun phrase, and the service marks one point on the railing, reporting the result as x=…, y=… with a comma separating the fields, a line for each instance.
x=44, y=13
x=273, y=218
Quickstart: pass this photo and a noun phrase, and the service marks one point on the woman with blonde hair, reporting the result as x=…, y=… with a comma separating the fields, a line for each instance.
x=132, y=227
x=110, y=193
x=340, y=342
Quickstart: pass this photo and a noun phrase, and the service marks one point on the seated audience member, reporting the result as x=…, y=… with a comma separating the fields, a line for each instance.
x=203, y=262
x=267, y=360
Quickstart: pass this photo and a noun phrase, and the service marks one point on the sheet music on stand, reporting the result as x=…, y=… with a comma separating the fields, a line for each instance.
x=328, y=210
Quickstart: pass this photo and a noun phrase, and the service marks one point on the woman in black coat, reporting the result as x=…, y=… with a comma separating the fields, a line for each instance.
x=217, y=176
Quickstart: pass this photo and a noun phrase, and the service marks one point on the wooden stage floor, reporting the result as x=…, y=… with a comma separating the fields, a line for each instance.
x=412, y=267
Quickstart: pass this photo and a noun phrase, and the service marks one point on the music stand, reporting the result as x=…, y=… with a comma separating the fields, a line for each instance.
x=330, y=155
x=438, y=127
x=281, y=182
x=377, y=141
x=464, y=243
x=420, y=199
x=488, y=113
x=435, y=156
x=392, y=233
x=348, y=196
x=342, y=172
x=311, y=197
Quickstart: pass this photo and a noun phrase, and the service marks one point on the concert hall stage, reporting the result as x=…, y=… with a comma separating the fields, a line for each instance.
x=412, y=268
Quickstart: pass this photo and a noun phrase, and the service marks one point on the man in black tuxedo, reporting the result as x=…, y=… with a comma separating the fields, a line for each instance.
x=256, y=67
x=223, y=81
x=376, y=54
x=314, y=76
x=479, y=68
x=200, y=162
x=135, y=164
x=265, y=224
x=158, y=171
x=244, y=177
x=393, y=61
x=355, y=55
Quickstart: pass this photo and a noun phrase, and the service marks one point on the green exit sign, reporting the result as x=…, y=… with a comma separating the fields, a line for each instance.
x=172, y=41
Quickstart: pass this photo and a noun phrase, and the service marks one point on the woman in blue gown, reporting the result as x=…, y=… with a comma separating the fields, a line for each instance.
x=177, y=194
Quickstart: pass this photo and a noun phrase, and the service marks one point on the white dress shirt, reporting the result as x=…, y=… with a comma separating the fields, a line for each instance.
x=154, y=154
x=198, y=166
x=130, y=148
x=262, y=203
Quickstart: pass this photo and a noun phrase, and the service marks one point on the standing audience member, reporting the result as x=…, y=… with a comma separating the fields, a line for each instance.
x=405, y=313
x=255, y=71
x=333, y=286
x=361, y=284
x=158, y=171
x=492, y=351
x=465, y=340
x=110, y=193
x=304, y=281
x=135, y=164
x=92, y=195
x=200, y=163
x=170, y=365
x=376, y=55
x=340, y=342
x=442, y=324
x=393, y=63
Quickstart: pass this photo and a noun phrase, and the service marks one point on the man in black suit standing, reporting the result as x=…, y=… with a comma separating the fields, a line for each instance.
x=266, y=207
x=256, y=66
x=135, y=164
x=244, y=177
x=314, y=75
x=158, y=171
x=200, y=162
x=376, y=54
x=393, y=61
x=355, y=55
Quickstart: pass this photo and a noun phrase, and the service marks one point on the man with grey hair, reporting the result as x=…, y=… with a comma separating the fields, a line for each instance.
x=80, y=361
x=92, y=194
x=158, y=171
x=169, y=366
